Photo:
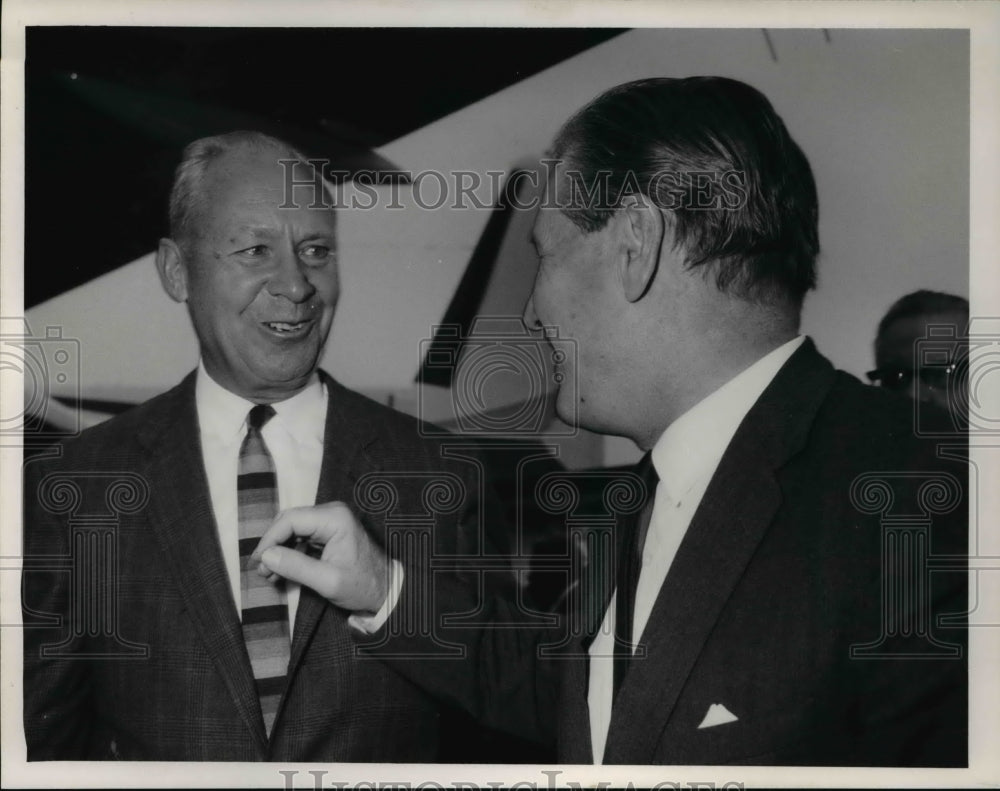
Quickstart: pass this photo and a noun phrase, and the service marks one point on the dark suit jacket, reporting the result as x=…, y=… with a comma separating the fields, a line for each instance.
x=787, y=603
x=133, y=646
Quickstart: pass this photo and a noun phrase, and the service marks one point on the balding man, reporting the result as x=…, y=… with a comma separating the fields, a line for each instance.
x=179, y=650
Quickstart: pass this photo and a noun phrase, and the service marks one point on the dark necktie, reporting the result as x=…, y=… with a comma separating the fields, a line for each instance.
x=264, y=609
x=629, y=564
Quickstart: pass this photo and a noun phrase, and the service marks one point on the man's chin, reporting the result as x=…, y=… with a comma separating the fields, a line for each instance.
x=281, y=360
x=280, y=383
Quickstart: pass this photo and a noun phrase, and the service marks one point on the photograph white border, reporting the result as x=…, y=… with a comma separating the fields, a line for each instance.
x=983, y=21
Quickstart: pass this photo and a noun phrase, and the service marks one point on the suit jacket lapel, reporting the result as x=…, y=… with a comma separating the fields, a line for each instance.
x=182, y=519
x=573, y=718
x=708, y=565
x=734, y=514
x=598, y=584
x=345, y=460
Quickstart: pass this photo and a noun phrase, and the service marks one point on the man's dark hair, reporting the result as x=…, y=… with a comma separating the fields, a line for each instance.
x=753, y=217
x=920, y=303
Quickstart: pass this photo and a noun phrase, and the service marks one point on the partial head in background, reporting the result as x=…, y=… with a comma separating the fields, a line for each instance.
x=677, y=241
x=257, y=267
x=898, y=363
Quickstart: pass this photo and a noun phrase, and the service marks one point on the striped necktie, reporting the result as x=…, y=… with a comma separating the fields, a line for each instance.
x=264, y=608
x=629, y=562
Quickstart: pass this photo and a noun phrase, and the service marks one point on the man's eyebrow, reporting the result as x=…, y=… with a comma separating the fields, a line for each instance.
x=257, y=230
x=266, y=232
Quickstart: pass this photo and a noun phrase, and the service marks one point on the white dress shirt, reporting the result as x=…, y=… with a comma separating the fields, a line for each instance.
x=685, y=458
x=294, y=437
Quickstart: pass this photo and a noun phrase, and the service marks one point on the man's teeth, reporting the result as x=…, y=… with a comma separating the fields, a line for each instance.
x=285, y=326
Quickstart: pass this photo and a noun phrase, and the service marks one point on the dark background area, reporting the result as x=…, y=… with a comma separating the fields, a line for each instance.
x=108, y=110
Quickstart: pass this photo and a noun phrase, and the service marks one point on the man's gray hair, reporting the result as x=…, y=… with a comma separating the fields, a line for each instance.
x=187, y=192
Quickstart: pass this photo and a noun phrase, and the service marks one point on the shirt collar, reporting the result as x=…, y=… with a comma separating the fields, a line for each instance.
x=692, y=445
x=222, y=414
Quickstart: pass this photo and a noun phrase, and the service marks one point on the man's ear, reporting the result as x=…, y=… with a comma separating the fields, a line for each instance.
x=173, y=273
x=644, y=231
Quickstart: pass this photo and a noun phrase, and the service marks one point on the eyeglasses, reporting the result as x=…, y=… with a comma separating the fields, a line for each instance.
x=897, y=378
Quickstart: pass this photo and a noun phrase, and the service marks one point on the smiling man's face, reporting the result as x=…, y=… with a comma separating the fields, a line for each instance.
x=261, y=282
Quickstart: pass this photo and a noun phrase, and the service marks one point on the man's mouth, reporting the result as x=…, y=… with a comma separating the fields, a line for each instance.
x=288, y=328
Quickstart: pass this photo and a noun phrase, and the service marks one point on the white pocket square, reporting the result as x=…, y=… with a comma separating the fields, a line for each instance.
x=717, y=714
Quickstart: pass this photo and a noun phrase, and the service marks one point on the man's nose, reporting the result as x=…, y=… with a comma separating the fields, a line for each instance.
x=290, y=279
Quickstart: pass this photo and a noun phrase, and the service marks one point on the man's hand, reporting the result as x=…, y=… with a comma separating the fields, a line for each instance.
x=352, y=571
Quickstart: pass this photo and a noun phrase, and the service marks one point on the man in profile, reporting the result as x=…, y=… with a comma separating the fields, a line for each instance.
x=161, y=642
x=748, y=622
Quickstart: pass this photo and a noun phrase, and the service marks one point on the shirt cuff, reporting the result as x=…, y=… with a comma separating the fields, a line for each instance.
x=369, y=624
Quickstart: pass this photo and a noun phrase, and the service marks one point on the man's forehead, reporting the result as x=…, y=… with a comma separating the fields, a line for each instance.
x=541, y=228
x=916, y=325
x=555, y=176
x=561, y=187
x=247, y=165
x=899, y=341
x=263, y=228
x=258, y=181
x=536, y=230
x=551, y=224
x=246, y=201
x=267, y=168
